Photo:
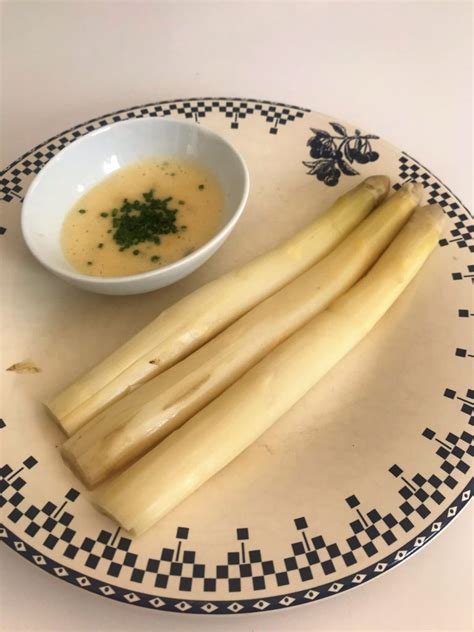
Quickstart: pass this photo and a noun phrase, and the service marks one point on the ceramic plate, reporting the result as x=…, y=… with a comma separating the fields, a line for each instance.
x=359, y=475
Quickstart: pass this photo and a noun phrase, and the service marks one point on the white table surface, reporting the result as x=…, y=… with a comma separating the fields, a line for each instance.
x=402, y=70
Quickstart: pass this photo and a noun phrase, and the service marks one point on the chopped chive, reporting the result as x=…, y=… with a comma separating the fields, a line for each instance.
x=143, y=220
x=89, y=263
x=82, y=211
x=183, y=227
x=201, y=187
x=101, y=245
x=154, y=259
x=180, y=201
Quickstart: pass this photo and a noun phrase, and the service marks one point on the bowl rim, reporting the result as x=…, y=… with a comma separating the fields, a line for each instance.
x=158, y=272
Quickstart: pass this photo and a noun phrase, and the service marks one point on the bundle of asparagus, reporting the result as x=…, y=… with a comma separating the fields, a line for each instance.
x=134, y=424
x=225, y=362
x=199, y=316
x=154, y=485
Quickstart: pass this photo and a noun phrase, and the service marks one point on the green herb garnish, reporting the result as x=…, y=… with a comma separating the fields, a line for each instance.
x=104, y=214
x=201, y=187
x=82, y=211
x=183, y=227
x=101, y=245
x=89, y=263
x=139, y=221
x=136, y=252
x=154, y=259
x=180, y=201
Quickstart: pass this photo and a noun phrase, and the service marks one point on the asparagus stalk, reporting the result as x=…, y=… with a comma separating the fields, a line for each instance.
x=137, y=422
x=198, y=317
x=166, y=475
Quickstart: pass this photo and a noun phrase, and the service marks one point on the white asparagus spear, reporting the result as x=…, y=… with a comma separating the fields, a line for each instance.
x=196, y=318
x=137, y=422
x=154, y=485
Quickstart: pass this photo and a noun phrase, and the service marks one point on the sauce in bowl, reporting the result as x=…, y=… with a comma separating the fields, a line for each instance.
x=143, y=216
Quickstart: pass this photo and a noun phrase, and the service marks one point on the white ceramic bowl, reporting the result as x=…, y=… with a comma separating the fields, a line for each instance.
x=88, y=160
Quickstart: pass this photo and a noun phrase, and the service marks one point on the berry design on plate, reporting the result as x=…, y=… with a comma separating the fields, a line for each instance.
x=335, y=154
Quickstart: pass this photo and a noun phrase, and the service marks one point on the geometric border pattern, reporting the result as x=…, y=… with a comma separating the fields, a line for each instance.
x=52, y=525
x=420, y=495
x=275, y=114
x=242, y=605
x=462, y=234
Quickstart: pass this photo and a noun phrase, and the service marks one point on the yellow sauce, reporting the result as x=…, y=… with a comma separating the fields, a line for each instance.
x=195, y=193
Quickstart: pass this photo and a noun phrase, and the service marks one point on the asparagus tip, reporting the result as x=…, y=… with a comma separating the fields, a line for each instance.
x=413, y=188
x=380, y=184
x=434, y=214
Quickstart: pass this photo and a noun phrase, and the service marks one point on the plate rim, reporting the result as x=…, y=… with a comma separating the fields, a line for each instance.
x=255, y=604
x=245, y=606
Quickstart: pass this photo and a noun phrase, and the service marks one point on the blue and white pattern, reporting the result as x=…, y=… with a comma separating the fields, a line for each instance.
x=311, y=554
x=275, y=115
x=44, y=530
x=334, y=154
